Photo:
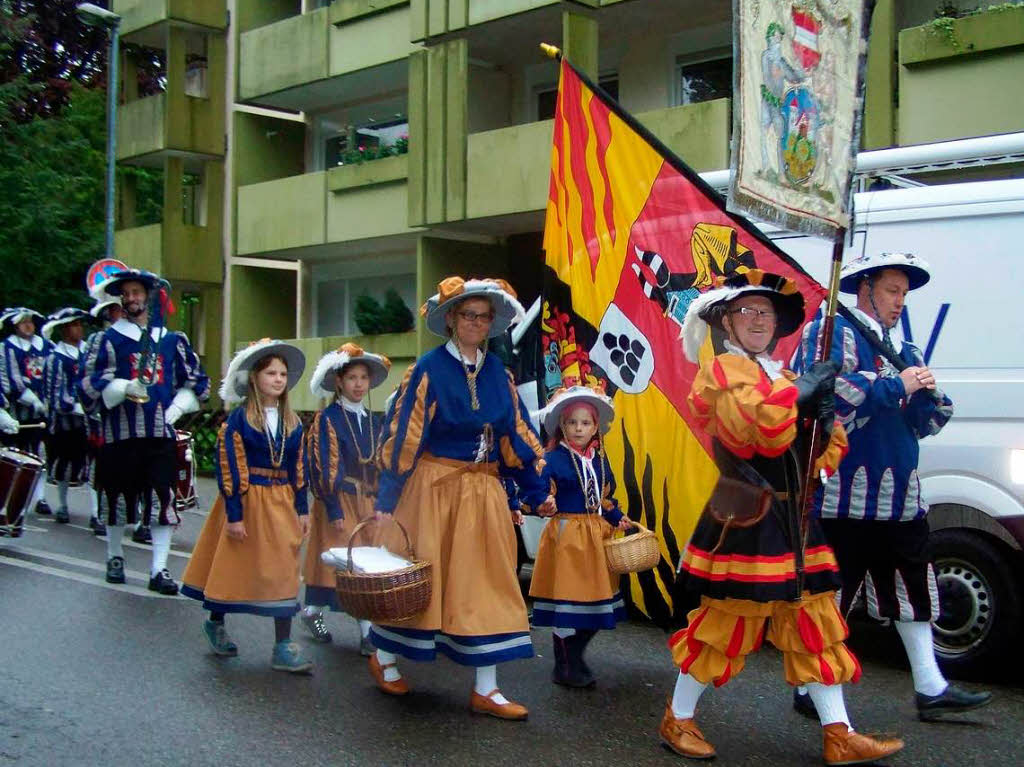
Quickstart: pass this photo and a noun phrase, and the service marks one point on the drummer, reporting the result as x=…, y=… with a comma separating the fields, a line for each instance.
x=8, y=425
x=342, y=446
x=456, y=425
x=66, y=441
x=22, y=357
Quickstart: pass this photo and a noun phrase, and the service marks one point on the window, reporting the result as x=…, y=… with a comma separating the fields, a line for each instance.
x=704, y=77
x=336, y=296
x=547, y=98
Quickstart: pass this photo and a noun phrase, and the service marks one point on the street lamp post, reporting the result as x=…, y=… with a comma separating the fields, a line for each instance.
x=95, y=16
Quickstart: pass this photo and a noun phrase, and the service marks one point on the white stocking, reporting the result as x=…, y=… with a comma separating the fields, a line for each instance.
x=62, y=494
x=684, y=698
x=161, y=547
x=917, y=640
x=828, y=700
x=114, y=535
x=385, y=658
x=487, y=681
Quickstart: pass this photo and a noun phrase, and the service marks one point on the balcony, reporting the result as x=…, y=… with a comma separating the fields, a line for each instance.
x=181, y=253
x=957, y=77
x=431, y=18
x=141, y=17
x=328, y=56
x=344, y=204
x=508, y=168
x=146, y=127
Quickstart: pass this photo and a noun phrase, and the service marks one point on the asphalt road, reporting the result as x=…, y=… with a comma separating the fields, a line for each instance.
x=94, y=674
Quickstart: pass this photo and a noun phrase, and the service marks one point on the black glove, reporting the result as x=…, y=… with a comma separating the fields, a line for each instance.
x=818, y=382
x=826, y=412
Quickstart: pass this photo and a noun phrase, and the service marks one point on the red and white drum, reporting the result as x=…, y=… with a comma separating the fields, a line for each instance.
x=20, y=474
x=185, y=485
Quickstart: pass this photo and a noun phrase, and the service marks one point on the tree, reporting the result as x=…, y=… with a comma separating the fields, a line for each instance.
x=52, y=204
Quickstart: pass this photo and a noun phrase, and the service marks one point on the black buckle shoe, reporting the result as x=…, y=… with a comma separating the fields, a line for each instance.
x=163, y=583
x=115, y=570
x=43, y=509
x=141, y=534
x=803, y=705
x=62, y=516
x=952, y=700
x=97, y=527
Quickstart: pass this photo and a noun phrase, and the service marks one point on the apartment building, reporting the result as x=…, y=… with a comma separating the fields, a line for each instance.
x=279, y=214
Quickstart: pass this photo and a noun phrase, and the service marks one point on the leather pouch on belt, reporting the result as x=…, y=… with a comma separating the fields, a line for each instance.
x=735, y=503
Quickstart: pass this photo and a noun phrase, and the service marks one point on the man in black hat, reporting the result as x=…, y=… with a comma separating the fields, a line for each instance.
x=142, y=377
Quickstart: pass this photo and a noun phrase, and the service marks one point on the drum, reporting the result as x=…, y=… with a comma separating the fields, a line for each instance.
x=20, y=474
x=185, y=484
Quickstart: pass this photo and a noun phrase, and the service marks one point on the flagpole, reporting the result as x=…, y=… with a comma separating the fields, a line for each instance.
x=809, y=485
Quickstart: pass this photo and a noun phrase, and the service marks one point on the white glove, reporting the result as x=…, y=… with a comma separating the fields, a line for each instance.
x=188, y=456
x=78, y=409
x=172, y=414
x=136, y=389
x=7, y=424
x=115, y=392
x=28, y=397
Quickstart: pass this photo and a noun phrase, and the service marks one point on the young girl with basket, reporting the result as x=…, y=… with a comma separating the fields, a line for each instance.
x=573, y=590
x=246, y=559
x=341, y=446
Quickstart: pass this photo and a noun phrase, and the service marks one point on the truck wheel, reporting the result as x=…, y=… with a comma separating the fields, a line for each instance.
x=979, y=600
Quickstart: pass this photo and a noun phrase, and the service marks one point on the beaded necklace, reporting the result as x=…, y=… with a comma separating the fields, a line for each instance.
x=591, y=506
x=474, y=401
x=363, y=460
x=276, y=458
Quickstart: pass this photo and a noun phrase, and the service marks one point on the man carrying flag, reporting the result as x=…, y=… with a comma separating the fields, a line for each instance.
x=757, y=572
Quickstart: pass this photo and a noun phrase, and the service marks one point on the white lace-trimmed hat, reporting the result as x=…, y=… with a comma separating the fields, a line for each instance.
x=14, y=315
x=63, y=317
x=102, y=304
x=324, y=380
x=563, y=399
x=236, y=381
x=451, y=290
x=917, y=269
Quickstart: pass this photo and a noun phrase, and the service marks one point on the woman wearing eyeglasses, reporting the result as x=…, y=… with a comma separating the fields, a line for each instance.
x=454, y=430
x=758, y=570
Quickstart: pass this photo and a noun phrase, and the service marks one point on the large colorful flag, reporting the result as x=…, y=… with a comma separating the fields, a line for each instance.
x=799, y=67
x=631, y=236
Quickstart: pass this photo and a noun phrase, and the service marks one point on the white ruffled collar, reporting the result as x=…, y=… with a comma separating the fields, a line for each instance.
x=876, y=328
x=68, y=350
x=454, y=351
x=771, y=367
x=36, y=342
x=129, y=329
x=358, y=408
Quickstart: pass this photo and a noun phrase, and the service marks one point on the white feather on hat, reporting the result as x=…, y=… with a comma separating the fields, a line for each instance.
x=102, y=304
x=323, y=383
x=695, y=327
x=63, y=317
x=236, y=381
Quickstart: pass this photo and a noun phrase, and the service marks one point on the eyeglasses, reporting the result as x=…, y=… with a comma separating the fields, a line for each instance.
x=476, y=317
x=748, y=312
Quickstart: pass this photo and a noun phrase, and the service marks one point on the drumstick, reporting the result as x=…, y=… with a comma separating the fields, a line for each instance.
x=23, y=426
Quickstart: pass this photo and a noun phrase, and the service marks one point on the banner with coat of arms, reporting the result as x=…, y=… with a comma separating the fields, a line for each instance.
x=631, y=236
x=798, y=66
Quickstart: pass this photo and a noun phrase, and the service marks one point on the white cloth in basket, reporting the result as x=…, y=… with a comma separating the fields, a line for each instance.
x=365, y=559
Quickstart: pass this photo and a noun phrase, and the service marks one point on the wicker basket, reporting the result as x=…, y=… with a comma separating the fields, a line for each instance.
x=399, y=595
x=634, y=553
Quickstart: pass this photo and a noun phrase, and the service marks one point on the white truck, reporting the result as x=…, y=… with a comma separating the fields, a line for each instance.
x=969, y=322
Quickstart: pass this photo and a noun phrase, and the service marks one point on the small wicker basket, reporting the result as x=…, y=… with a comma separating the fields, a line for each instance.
x=399, y=595
x=634, y=553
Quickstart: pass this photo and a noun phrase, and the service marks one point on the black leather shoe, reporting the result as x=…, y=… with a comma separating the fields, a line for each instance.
x=164, y=583
x=952, y=700
x=62, y=516
x=43, y=509
x=97, y=527
x=803, y=705
x=141, y=534
x=115, y=570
